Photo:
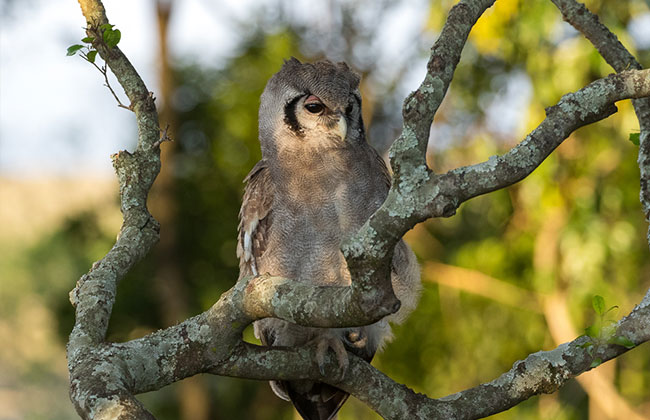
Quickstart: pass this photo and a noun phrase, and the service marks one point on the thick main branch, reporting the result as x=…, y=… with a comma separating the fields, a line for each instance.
x=541, y=372
x=305, y=304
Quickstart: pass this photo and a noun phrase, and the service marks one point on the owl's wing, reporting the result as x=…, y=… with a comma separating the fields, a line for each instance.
x=381, y=165
x=254, y=218
x=253, y=230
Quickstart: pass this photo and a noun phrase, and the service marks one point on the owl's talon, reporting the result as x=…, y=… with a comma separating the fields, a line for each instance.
x=323, y=342
x=321, y=368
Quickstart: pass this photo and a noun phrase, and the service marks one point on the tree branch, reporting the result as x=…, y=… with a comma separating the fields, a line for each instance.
x=211, y=342
x=617, y=56
x=369, y=252
x=94, y=295
x=598, y=386
x=607, y=44
x=590, y=104
x=305, y=304
x=95, y=291
x=541, y=372
x=411, y=202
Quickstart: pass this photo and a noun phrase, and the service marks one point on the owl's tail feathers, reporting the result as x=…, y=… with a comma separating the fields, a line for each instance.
x=315, y=400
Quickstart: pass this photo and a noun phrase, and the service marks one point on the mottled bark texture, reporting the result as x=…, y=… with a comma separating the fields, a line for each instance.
x=104, y=377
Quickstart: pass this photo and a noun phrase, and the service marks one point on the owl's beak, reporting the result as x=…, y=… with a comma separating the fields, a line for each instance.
x=342, y=126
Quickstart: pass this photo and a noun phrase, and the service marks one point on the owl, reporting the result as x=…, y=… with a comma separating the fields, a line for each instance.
x=318, y=181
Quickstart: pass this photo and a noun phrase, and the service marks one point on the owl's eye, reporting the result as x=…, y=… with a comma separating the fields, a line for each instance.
x=315, y=107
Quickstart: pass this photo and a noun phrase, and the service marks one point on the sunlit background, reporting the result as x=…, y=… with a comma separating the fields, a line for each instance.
x=512, y=273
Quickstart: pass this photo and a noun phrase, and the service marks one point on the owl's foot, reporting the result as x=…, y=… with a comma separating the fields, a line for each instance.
x=330, y=340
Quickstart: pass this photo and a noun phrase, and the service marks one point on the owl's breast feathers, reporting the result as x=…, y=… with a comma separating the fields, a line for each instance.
x=296, y=213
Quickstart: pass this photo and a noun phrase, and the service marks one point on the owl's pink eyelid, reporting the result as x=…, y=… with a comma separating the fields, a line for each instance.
x=312, y=98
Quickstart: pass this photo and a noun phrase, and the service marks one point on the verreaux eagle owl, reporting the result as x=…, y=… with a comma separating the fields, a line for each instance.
x=317, y=183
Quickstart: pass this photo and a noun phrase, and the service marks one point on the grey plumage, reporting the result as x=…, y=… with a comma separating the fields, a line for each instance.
x=317, y=183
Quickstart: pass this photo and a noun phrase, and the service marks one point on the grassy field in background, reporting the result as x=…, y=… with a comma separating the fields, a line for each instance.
x=33, y=372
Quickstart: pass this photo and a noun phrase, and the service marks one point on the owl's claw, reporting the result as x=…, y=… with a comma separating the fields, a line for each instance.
x=325, y=341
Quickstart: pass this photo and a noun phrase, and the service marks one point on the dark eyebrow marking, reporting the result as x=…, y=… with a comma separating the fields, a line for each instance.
x=348, y=110
x=290, y=116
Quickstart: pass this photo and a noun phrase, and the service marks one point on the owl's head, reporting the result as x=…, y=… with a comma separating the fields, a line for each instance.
x=310, y=106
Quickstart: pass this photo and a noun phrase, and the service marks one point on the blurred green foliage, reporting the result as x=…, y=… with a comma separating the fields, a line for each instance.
x=574, y=228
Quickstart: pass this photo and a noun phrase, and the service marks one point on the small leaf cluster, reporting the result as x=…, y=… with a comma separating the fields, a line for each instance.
x=110, y=36
x=602, y=331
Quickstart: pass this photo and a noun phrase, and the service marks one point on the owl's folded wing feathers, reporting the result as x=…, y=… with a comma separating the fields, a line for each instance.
x=254, y=218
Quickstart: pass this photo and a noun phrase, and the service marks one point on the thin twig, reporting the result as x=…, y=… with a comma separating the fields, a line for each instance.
x=104, y=72
x=108, y=85
x=164, y=137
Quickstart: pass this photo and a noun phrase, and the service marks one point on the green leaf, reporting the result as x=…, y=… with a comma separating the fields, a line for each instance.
x=88, y=39
x=635, y=138
x=91, y=56
x=608, y=330
x=622, y=341
x=106, y=26
x=72, y=49
x=586, y=344
x=598, y=302
x=592, y=331
x=112, y=37
x=596, y=362
x=611, y=309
